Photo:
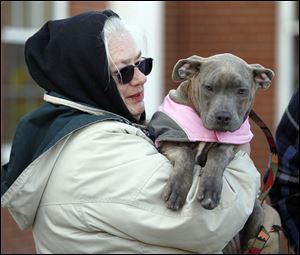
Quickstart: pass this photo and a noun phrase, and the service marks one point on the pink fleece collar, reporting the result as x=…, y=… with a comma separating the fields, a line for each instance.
x=192, y=124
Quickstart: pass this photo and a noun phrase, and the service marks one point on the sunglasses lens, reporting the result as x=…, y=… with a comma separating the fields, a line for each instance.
x=125, y=75
x=145, y=66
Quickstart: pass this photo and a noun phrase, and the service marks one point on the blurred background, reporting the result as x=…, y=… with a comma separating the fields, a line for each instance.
x=264, y=32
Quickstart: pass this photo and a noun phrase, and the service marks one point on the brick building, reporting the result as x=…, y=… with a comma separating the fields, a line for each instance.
x=265, y=32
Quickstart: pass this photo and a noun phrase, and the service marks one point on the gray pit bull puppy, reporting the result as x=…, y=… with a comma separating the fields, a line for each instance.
x=221, y=89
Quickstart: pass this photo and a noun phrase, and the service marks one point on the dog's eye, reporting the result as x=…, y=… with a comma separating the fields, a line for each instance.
x=242, y=91
x=208, y=88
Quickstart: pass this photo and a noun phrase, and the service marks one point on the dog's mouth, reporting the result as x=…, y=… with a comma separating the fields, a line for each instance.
x=221, y=124
x=220, y=128
x=214, y=126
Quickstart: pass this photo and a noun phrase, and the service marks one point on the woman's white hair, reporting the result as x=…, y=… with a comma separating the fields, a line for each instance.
x=115, y=25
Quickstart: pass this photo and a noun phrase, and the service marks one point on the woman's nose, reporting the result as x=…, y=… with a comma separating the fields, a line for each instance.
x=138, y=78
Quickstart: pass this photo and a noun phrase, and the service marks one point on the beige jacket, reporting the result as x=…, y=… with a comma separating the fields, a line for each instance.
x=98, y=191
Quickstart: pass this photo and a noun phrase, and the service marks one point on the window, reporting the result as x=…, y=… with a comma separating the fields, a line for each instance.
x=288, y=54
x=20, y=94
x=296, y=46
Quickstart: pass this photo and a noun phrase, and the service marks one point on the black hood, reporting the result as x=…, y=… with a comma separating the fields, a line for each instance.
x=68, y=57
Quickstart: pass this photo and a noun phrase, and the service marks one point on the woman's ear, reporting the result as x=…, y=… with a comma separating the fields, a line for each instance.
x=184, y=69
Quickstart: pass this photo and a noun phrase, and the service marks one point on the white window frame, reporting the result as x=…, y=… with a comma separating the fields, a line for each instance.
x=19, y=35
x=287, y=28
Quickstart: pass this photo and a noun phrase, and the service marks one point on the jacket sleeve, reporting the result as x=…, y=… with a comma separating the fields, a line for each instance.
x=122, y=188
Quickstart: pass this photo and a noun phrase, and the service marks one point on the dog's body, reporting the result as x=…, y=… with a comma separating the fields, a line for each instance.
x=221, y=90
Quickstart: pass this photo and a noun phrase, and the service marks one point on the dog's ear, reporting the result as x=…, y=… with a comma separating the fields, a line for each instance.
x=184, y=69
x=180, y=95
x=262, y=76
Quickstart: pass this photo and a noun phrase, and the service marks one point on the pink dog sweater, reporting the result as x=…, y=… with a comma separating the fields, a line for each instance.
x=191, y=126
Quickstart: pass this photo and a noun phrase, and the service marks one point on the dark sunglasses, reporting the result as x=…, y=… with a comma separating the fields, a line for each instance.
x=125, y=75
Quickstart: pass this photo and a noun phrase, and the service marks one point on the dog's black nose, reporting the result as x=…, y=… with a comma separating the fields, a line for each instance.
x=223, y=117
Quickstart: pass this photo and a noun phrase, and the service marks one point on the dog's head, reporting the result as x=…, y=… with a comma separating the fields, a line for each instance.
x=221, y=88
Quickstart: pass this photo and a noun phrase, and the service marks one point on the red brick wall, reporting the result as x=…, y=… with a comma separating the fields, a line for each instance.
x=244, y=28
x=81, y=6
x=13, y=240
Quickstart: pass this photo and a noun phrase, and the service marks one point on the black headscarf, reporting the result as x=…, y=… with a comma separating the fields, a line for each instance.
x=68, y=57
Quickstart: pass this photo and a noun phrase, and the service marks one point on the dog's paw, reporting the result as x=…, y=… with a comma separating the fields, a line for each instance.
x=209, y=193
x=175, y=193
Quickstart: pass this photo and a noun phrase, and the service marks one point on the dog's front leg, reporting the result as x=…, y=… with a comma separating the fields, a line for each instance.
x=175, y=192
x=210, y=187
